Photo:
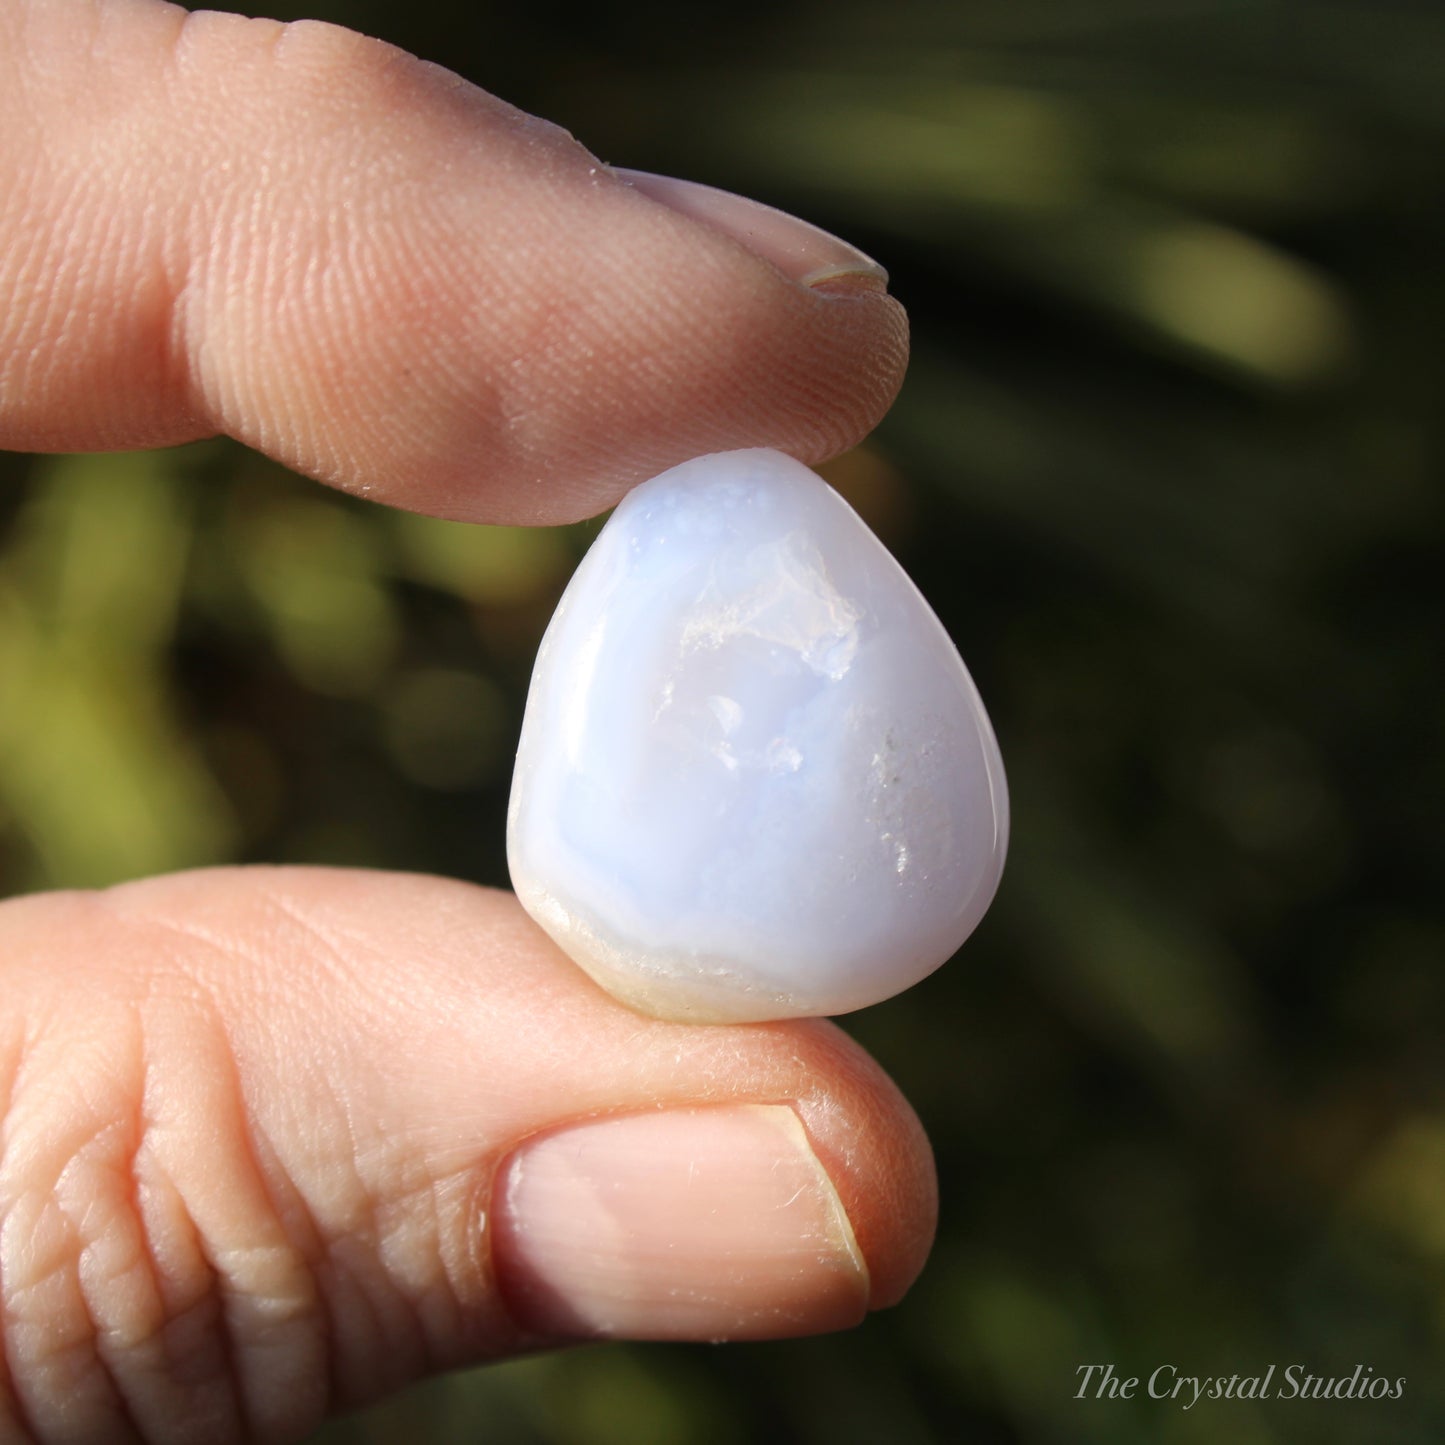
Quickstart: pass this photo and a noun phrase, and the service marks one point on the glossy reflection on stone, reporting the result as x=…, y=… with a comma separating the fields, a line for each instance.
x=755, y=780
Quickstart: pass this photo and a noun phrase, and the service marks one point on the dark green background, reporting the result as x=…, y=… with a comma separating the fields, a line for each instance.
x=1167, y=466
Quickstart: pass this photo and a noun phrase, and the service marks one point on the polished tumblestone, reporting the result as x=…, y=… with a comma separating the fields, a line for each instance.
x=755, y=780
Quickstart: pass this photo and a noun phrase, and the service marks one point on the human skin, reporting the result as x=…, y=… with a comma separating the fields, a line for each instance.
x=276, y=1141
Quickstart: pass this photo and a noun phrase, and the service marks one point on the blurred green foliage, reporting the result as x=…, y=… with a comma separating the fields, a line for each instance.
x=1167, y=466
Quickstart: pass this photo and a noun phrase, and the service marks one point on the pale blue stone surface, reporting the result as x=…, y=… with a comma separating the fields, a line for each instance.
x=755, y=780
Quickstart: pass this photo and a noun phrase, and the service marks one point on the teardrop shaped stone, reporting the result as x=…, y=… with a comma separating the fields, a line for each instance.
x=755, y=780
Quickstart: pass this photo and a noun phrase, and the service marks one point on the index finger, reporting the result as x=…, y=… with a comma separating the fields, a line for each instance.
x=388, y=279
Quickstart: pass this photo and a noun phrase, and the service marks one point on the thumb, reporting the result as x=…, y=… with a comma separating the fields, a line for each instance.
x=315, y=1133
x=388, y=279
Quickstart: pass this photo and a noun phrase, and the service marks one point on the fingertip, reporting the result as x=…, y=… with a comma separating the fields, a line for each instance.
x=875, y=1150
x=638, y=338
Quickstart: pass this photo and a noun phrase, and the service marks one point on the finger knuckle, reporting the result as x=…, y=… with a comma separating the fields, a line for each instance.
x=146, y=1287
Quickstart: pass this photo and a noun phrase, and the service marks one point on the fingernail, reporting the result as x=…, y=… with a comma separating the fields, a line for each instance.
x=694, y=1224
x=801, y=251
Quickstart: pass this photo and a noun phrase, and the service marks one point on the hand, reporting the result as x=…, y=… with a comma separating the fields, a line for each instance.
x=276, y=1141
